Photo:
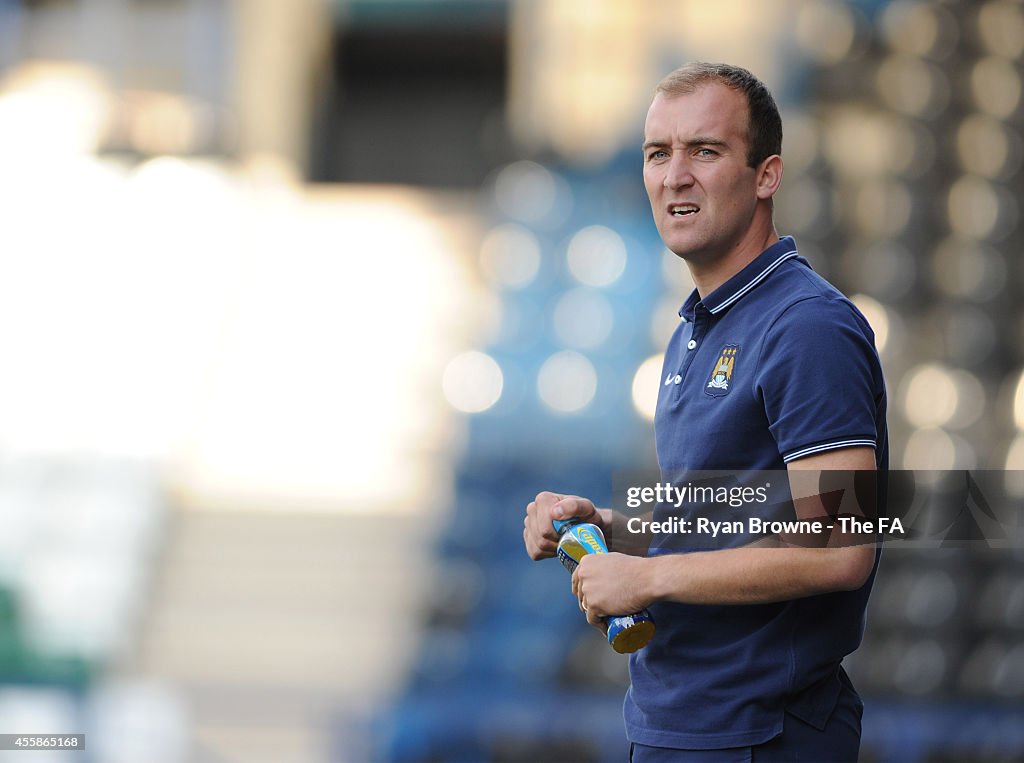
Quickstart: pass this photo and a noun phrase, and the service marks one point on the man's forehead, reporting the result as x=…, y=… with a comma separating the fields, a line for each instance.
x=710, y=108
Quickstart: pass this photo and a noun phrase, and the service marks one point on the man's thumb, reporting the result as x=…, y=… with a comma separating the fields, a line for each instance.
x=567, y=507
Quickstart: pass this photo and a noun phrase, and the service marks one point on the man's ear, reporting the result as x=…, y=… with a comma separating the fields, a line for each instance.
x=769, y=176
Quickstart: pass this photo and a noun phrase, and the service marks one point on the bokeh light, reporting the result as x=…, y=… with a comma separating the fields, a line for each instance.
x=1018, y=404
x=996, y=86
x=937, y=450
x=934, y=395
x=1001, y=27
x=877, y=316
x=987, y=147
x=918, y=28
x=472, y=382
x=1014, y=466
x=529, y=192
x=825, y=30
x=596, y=255
x=979, y=209
x=883, y=207
x=646, y=384
x=567, y=382
x=510, y=256
x=911, y=86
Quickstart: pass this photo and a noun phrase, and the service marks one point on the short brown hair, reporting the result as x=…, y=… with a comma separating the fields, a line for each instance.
x=764, y=128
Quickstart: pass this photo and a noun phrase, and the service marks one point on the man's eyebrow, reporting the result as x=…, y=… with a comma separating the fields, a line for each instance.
x=699, y=140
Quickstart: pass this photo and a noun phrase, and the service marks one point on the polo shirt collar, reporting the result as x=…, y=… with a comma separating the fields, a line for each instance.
x=741, y=284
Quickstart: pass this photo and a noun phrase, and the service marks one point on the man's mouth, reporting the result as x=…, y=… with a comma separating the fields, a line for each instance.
x=683, y=210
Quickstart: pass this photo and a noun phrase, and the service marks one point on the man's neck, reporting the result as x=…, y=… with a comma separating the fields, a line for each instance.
x=709, y=276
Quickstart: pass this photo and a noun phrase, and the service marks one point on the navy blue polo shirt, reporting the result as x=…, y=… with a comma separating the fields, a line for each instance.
x=773, y=366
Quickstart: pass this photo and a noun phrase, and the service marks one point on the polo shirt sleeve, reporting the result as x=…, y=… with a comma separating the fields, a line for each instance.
x=820, y=379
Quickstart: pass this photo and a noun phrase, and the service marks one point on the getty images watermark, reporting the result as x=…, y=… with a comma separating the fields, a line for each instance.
x=902, y=508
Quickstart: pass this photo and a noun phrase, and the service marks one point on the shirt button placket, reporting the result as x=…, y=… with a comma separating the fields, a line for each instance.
x=695, y=335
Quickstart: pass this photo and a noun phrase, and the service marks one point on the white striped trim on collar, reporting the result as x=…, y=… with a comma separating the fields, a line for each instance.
x=754, y=282
x=827, y=446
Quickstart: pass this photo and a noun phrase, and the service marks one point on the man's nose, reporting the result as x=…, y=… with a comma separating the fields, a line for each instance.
x=679, y=173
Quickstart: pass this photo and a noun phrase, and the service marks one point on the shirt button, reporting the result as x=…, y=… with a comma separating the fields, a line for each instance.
x=678, y=378
x=691, y=344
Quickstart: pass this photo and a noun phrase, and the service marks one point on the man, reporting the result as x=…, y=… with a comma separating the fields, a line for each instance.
x=771, y=368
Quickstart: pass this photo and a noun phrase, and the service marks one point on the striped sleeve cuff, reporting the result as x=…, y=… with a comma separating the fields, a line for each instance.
x=822, y=447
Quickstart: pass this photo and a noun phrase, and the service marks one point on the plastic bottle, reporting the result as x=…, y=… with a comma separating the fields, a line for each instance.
x=626, y=633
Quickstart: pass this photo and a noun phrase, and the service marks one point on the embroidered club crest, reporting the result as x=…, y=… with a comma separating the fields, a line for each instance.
x=718, y=384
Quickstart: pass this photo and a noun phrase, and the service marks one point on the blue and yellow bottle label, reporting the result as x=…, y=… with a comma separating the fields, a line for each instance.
x=626, y=633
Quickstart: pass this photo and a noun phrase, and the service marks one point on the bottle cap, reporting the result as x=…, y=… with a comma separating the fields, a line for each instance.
x=561, y=525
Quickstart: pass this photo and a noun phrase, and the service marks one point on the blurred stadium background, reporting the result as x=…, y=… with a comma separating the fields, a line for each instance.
x=303, y=300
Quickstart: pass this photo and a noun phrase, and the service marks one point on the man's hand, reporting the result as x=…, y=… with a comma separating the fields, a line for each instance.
x=611, y=584
x=539, y=535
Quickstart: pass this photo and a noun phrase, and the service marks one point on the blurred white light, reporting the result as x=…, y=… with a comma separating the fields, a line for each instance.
x=929, y=396
x=825, y=30
x=526, y=191
x=596, y=255
x=1018, y=404
x=567, y=382
x=78, y=601
x=912, y=86
x=583, y=318
x=646, y=386
x=918, y=28
x=162, y=123
x=936, y=450
x=863, y=143
x=986, y=147
x=135, y=720
x=49, y=108
x=472, y=382
x=510, y=256
x=877, y=316
x=1001, y=27
x=1015, y=465
x=24, y=707
x=935, y=396
x=996, y=86
x=273, y=431
x=980, y=210
x=883, y=207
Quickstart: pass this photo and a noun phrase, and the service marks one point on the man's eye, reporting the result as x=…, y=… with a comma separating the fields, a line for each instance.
x=706, y=152
x=659, y=154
